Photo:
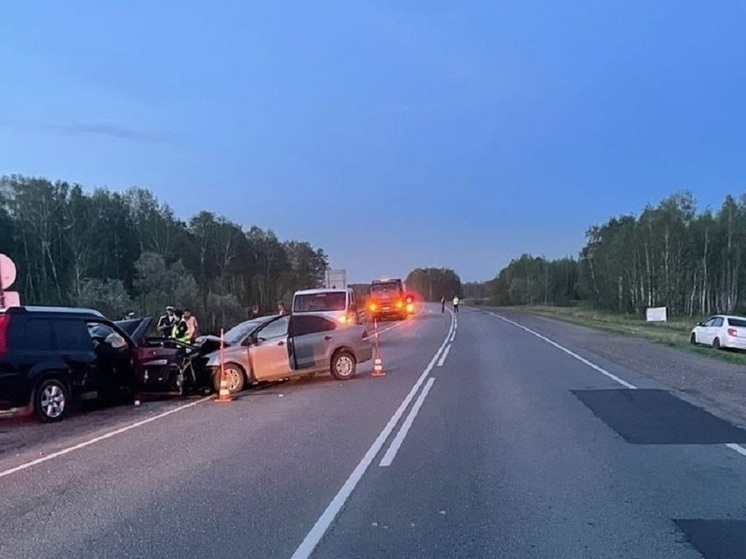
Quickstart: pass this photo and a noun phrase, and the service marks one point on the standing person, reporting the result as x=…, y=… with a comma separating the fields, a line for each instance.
x=180, y=330
x=455, y=303
x=443, y=304
x=192, y=325
x=255, y=311
x=281, y=308
x=166, y=322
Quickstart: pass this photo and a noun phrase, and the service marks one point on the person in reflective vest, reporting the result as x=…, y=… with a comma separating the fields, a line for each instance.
x=455, y=303
x=180, y=331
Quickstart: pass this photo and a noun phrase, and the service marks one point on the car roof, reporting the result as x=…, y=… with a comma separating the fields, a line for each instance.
x=322, y=290
x=56, y=310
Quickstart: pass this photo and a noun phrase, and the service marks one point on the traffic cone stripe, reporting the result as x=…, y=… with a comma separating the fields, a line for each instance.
x=224, y=395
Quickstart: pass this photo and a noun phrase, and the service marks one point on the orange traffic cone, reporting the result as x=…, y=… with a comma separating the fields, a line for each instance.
x=224, y=395
x=378, y=363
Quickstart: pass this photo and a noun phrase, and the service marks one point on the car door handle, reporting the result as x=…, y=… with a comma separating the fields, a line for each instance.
x=327, y=338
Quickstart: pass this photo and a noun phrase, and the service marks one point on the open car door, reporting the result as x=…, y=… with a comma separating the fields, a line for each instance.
x=270, y=351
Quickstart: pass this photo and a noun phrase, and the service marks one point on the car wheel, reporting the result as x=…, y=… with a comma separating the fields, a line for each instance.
x=51, y=400
x=716, y=343
x=343, y=365
x=235, y=377
x=693, y=339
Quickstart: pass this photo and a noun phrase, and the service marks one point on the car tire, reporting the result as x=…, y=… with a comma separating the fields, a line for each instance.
x=716, y=343
x=235, y=375
x=343, y=365
x=51, y=400
x=693, y=339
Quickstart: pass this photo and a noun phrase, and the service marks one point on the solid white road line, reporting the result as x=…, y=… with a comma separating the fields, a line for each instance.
x=100, y=438
x=737, y=447
x=444, y=356
x=312, y=539
x=570, y=353
x=388, y=328
x=388, y=458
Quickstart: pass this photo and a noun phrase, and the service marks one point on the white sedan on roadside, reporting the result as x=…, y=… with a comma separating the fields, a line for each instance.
x=721, y=331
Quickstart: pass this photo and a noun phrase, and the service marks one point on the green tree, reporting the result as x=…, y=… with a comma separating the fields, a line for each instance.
x=433, y=283
x=114, y=251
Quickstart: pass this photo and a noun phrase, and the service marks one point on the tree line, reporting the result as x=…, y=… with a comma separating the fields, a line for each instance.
x=122, y=251
x=669, y=255
x=433, y=283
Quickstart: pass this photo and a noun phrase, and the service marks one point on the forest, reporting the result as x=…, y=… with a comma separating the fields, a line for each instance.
x=126, y=251
x=671, y=255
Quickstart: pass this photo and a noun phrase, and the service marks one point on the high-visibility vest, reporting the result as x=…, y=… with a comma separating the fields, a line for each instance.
x=455, y=300
x=180, y=331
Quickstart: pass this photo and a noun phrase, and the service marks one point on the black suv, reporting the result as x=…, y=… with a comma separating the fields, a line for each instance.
x=51, y=356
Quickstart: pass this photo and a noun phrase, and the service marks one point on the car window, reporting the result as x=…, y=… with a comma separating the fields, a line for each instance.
x=320, y=302
x=739, y=322
x=709, y=322
x=717, y=322
x=71, y=334
x=36, y=335
x=275, y=329
x=304, y=324
x=103, y=333
x=238, y=333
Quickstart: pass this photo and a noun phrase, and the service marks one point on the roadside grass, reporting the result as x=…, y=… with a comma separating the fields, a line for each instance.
x=674, y=333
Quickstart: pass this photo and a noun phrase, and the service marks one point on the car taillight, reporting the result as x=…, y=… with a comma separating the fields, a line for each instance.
x=372, y=306
x=4, y=323
x=399, y=304
x=733, y=332
x=343, y=319
x=410, y=307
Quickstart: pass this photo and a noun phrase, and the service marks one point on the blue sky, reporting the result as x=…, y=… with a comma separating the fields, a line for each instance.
x=393, y=134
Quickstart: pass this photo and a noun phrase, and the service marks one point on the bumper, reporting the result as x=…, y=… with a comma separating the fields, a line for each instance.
x=389, y=313
x=734, y=343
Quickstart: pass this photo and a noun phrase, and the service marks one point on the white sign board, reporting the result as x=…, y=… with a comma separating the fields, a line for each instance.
x=656, y=314
x=7, y=272
x=335, y=279
x=11, y=299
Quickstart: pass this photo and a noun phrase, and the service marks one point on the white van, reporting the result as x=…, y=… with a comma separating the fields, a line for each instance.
x=338, y=304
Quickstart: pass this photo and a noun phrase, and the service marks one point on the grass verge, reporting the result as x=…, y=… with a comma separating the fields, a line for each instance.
x=674, y=333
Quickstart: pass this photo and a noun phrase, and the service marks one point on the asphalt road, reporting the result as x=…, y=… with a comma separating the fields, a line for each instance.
x=486, y=440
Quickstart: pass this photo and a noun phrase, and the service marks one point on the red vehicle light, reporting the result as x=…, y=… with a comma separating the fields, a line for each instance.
x=399, y=304
x=4, y=323
x=733, y=332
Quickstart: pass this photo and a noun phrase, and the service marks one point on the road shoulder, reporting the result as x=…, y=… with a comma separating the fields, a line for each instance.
x=715, y=383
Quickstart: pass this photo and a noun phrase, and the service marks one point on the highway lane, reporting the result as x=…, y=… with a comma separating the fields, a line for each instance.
x=243, y=479
x=505, y=460
x=509, y=447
